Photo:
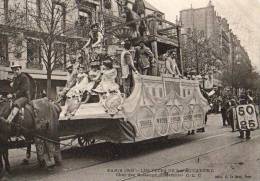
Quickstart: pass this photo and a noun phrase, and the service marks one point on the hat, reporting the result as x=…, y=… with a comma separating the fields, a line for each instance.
x=94, y=25
x=69, y=65
x=108, y=62
x=141, y=41
x=16, y=65
x=94, y=63
x=171, y=51
x=81, y=66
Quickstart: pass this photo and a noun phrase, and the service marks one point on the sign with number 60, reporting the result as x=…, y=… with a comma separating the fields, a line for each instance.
x=246, y=116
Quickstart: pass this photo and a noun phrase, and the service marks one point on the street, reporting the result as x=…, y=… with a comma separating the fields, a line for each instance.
x=213, y=155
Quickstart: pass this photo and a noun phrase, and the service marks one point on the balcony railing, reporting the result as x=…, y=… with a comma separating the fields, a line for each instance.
x=156, y=27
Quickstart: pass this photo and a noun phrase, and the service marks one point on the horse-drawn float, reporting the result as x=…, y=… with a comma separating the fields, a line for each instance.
x=157, y=107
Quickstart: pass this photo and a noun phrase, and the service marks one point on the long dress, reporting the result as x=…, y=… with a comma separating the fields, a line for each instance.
x=80, y=87
x=108, y=83
x=93, y=78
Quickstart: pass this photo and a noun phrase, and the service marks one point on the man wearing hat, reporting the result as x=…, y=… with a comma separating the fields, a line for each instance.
x=171, y=65
x=23, y=90
x=144, y=57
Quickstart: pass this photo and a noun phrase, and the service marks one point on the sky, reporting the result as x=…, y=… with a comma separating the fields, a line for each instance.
x=243, y=17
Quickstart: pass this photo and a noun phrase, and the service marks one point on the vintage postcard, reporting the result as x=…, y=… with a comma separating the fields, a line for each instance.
x=129, y=90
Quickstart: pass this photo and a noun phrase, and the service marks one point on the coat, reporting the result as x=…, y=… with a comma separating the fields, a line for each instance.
x=24, y=86
x=145, y=57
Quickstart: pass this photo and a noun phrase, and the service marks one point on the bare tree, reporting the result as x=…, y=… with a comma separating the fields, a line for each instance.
x=197, y=52
x=49, y=22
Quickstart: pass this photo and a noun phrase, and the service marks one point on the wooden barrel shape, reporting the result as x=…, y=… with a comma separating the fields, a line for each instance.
x=175, y=121
x=187, y=123
x=161, y=121
x=198, y=116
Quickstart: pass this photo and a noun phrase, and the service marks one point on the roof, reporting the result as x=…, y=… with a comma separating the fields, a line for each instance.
x=148, y=6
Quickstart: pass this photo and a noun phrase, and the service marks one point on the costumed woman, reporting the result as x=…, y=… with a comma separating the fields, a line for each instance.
x=107, y=84
x=75, y=94
x=94, y=76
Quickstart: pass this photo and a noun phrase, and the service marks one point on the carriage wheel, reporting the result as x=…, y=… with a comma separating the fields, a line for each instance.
x=84, y=141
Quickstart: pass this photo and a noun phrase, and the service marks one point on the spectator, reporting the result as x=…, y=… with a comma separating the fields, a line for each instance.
x=224, y=108
x=231, y=113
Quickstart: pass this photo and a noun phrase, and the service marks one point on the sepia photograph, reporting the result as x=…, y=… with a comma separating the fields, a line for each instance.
x=129, y=90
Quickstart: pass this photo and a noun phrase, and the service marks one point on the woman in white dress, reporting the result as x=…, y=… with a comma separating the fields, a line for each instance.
x=75, y=94
x=109, y=75
x=81, y=84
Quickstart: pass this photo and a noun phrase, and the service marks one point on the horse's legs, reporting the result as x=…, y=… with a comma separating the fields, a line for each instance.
x=1, y=163
x=28, y=151
x=6, y=160
x=28, y=154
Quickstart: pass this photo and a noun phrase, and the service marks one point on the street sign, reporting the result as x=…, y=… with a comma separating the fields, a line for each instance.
x=246, y=116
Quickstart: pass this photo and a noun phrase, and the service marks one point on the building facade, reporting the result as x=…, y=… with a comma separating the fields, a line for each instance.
x=25, y=43
x=216, y=29
x=21, y=36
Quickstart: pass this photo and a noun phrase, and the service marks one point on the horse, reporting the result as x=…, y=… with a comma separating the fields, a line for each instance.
x=24, y=124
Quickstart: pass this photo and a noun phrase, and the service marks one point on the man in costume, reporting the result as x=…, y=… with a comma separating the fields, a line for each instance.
x=144, y=57
x=127, y=65
x=171, y=65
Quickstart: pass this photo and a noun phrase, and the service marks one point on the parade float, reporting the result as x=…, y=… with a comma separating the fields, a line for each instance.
x=158, y=106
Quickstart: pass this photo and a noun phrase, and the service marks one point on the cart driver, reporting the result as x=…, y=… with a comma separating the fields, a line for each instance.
x=23, y=90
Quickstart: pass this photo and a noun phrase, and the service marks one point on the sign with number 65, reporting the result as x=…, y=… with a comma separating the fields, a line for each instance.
x=246, y=116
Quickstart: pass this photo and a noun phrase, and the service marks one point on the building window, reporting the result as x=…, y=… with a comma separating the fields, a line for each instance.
x=85, y=20
x=60, y=56
x=60, y=17
x=34, y=7
x=4, y=10
x=34, y=54
x=4, y=50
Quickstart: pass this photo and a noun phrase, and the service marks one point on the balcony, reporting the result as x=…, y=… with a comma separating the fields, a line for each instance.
x=157, y=30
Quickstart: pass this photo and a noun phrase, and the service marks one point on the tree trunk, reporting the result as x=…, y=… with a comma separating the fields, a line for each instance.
x=49, y=84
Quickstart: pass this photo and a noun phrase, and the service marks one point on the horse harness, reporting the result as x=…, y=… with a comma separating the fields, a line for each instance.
x=39, y=124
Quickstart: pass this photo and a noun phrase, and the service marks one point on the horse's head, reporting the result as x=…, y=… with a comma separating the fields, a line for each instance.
x=5, y=107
